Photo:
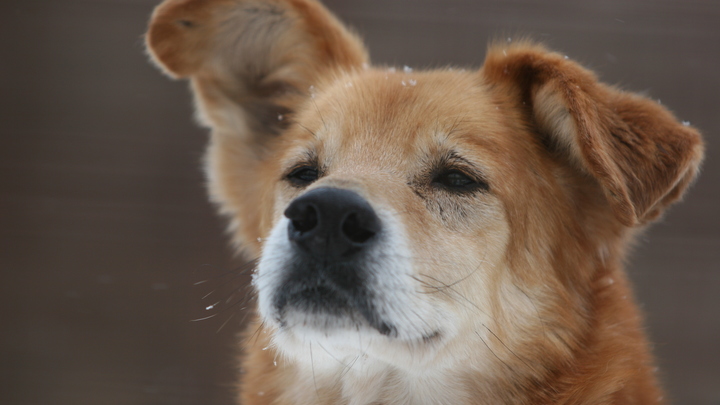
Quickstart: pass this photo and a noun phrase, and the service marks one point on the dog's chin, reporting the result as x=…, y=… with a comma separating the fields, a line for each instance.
x=324, y=328
x=342, y=327
x=323, y=343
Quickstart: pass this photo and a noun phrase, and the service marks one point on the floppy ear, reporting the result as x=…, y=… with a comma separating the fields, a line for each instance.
x=251, y=62
x=641, y=156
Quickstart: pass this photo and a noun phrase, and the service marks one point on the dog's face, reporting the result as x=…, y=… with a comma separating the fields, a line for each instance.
x=416, y=218
x=389, y=223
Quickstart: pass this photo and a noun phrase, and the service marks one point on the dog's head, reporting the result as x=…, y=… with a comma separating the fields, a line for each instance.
x=402, y=213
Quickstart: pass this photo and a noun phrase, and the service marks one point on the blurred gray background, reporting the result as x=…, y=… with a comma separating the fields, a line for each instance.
x=105, y=228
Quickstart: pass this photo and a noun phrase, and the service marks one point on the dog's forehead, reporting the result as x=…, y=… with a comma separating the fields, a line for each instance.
x=391, y=116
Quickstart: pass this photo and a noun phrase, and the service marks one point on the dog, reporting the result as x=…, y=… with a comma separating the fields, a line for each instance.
x=425, y=237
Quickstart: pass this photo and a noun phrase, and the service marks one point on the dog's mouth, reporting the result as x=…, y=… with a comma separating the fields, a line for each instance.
x=324, y=305
x=319, y=280
x=321, y=306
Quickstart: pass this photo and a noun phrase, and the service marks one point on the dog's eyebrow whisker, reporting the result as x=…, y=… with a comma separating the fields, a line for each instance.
x=307, y=129
x=319, y=114
x=453, y=128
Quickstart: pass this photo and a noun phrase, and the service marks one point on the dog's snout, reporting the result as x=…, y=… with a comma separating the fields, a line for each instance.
x=331, y=222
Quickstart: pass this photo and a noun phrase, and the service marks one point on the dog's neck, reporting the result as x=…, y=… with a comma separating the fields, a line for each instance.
x=376, y=382
x=372, y=381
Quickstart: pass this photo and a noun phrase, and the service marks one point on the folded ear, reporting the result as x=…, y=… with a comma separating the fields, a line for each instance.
x=251, y=61
x=642, y=157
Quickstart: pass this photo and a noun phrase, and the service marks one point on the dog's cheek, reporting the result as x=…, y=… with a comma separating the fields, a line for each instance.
x=462, y=267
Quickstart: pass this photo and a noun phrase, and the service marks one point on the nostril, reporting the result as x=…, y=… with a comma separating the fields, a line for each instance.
x=305, y=219
x=331, y=223
x=357, y=231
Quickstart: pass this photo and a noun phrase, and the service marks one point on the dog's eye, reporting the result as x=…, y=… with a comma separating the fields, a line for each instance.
x=303, y=175
x=458, y=181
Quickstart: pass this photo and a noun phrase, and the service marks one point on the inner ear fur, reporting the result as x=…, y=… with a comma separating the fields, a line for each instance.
x=250, y=62
x=639, y=153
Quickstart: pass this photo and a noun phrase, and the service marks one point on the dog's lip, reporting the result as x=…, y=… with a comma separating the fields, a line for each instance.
x=371, y=322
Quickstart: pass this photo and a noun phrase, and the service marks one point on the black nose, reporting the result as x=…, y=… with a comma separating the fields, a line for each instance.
x=331, y=222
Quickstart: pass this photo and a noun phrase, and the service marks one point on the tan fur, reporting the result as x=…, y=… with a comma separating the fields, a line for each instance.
x=524, y=281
